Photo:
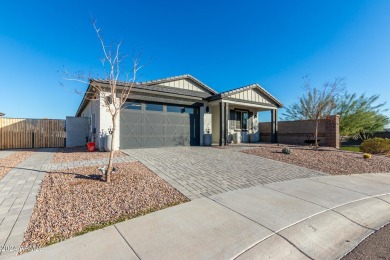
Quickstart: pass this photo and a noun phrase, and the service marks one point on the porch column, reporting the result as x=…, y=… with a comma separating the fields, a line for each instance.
x=274, y=126
x=221, y=124
x=226, y=130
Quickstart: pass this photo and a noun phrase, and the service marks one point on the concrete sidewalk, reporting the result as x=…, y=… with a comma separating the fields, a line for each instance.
x=315, y=218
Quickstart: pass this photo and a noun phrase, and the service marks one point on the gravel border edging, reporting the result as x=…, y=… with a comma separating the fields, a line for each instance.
x=9, y=162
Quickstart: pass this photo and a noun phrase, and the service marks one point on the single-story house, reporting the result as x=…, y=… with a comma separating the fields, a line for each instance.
x=181, y=110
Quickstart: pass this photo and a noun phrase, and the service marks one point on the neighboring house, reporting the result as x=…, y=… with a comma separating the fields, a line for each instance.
x=179, y=111
x=2, y=114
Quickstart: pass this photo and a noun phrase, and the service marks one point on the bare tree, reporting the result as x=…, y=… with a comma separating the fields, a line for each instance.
x=112, y=92
x=316, y=103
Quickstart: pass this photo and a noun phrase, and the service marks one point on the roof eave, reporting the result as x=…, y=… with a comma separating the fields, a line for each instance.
x=84, y=101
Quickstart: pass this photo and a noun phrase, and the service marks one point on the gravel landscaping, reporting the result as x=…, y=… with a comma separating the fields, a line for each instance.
x=376, y=246
x=75, y=201
x=9, y=162
x=73, y=154
x=326, y=159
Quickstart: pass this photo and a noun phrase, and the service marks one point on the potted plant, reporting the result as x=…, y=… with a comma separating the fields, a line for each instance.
x=254, y=136
x=207, y=137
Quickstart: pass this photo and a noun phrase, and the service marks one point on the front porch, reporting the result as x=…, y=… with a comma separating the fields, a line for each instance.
x=239, y=123
x=235, y=115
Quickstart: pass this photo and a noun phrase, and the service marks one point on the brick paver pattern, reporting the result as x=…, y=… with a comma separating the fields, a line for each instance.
x=204, y=171
x=18, y=191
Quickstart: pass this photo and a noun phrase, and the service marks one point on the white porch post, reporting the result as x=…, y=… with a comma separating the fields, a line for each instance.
x=226, y=129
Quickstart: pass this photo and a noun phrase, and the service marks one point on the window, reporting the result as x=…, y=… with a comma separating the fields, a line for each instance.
x=241, y=118
x=154, y=107
x=189, y=110
x=175, y=109
x=181, y=109
x=244, y=120
x=132, y=105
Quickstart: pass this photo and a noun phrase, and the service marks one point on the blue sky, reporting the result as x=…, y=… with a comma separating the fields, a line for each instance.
x=225, y=44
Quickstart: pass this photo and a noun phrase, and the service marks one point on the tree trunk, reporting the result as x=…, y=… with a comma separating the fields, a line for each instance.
x=109, y=167
x=316, y=134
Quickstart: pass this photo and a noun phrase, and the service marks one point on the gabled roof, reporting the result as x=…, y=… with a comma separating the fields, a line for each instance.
x=185, y=76
x=209, y=94
x=244, y=88
x=154, y=85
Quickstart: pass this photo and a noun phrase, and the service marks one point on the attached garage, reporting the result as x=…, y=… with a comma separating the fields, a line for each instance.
x=146, y=124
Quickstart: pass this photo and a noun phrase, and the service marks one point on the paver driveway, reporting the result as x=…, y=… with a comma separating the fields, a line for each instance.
x=204, y=171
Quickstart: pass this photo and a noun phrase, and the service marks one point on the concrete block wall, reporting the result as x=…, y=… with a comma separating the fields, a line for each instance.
x=332, y=133
x=296, y=132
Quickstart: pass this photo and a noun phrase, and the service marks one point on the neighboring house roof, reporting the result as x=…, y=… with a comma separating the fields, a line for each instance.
x=2, y=114
x=163, y=87
x=256, y=86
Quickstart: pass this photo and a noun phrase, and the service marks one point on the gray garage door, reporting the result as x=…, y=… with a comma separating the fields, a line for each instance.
x=155, y=125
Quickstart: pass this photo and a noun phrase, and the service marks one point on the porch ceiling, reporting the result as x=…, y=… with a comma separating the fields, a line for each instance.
x=245, y=104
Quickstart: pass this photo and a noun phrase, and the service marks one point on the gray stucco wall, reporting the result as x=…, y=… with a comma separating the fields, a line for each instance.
x=77, y=128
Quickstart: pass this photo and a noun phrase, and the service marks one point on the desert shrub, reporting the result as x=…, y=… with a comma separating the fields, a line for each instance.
x=376, y=145
x=366, y=156
x=286, y=150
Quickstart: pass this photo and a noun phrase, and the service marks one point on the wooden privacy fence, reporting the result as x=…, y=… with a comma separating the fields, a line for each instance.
x=31, y=133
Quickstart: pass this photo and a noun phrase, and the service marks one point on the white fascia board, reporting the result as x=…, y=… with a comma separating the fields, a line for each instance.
x=248, y=105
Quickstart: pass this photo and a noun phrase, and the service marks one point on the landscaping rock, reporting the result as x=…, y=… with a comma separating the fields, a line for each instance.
x=73, y=154
x=325, y=159
x=75, y=200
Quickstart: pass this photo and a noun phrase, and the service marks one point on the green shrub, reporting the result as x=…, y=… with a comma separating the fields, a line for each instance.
x=366, y=156
x=376, y=145
x=286, y=150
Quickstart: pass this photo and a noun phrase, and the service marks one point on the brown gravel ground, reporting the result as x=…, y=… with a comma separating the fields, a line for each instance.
x=9, y=162
x=73, y=154
x=376, y=246
x=326, y=159
x=74, y=201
